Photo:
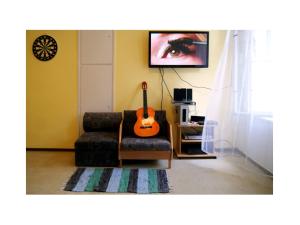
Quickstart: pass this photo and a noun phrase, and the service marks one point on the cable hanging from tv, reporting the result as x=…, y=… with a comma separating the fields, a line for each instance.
x=162, y=73
x=194, y=86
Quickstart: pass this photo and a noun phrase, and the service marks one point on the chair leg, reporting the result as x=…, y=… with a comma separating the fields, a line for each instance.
x=169, y=164
x=120, y=163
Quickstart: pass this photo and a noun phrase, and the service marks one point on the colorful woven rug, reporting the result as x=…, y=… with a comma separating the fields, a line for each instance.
x=118, y=180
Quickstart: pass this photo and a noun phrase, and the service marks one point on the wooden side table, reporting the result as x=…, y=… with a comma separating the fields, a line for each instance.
x=184, y=143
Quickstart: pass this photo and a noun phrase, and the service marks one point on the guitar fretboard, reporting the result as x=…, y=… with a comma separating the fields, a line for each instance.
x=145, y=103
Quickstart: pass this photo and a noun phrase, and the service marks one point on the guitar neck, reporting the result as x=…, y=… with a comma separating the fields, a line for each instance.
x=145, y=103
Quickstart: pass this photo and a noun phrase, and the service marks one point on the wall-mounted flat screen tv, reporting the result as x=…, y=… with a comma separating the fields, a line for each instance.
x=178, y=49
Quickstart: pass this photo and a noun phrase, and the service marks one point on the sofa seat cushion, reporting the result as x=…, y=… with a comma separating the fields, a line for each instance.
x=97, y=140
x=142, y=144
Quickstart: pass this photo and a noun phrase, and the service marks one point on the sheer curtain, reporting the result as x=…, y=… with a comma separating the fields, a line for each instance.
x=239, y=116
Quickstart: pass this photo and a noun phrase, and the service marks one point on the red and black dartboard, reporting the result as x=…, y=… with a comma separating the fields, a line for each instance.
x=44, y=48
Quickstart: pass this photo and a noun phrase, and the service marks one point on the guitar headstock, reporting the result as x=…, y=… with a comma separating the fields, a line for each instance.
x=144, y=85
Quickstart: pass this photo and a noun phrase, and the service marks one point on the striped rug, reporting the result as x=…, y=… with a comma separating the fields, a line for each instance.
x=118, y=180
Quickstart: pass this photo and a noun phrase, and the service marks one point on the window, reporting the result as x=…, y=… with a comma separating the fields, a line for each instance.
x=261, y=75
x=252, y=72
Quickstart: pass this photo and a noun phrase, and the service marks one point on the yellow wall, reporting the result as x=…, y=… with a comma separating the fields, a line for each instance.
x=131, y=68
x=51, y=93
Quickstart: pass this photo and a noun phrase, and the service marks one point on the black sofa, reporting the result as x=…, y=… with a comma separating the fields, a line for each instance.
x=98, y=145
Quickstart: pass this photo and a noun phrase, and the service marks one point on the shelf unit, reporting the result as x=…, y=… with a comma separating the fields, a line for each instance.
x=182, y=143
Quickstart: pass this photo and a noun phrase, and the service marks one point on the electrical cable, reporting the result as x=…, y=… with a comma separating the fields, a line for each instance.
x=189, y=82
x=161, y=70
x=162, y=89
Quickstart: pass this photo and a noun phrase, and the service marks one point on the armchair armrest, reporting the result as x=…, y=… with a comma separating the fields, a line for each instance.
x=170, y=135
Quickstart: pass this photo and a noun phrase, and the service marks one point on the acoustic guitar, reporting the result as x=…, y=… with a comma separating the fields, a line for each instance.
x=145, y=126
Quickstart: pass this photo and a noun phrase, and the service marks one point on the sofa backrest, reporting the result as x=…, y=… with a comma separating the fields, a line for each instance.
x=101, y=121
x=130, y=118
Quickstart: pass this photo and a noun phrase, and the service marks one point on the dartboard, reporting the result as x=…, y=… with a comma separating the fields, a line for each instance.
x=44, y=47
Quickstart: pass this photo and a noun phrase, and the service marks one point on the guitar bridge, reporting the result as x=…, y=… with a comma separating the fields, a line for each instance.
x=145, y=127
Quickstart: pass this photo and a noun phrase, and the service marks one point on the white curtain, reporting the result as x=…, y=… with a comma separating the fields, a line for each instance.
x=239, y=116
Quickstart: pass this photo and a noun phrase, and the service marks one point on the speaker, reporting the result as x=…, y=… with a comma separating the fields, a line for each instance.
x=189, y=94
x=183, y=94
x=177, y=94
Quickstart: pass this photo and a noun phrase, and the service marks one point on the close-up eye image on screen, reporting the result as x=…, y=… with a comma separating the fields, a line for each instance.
x=178, y=49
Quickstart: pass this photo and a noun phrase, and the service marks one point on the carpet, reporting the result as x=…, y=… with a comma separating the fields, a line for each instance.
x=118, y=180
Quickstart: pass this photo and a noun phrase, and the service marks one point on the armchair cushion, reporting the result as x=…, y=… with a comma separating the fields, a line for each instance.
x=135, y=144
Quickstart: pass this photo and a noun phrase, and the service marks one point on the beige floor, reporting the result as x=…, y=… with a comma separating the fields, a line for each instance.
x=47, y=172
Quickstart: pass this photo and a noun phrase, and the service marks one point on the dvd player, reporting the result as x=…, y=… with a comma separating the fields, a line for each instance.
x=193, y=137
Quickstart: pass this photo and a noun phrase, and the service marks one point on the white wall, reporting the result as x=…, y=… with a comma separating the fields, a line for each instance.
x=258, y=144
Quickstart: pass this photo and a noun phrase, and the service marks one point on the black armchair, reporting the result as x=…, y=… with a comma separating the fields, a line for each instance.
x=134, y=147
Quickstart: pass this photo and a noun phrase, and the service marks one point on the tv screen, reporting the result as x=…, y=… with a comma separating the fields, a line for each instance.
x=178, y=49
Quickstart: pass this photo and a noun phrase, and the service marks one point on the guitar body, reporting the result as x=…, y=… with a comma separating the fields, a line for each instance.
x=146, y=127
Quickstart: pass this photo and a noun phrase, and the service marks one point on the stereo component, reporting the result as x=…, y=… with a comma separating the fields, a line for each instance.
x=183, y=94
